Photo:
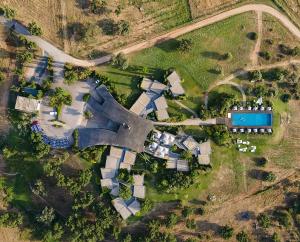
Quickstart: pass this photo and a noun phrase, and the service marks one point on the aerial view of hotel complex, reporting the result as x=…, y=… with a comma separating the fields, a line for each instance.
x=150, y=120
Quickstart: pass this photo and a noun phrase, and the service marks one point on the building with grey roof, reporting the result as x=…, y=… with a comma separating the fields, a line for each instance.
x=112, y=124
x=134, y=207
x=121, y=207
x=175, y=84
x=140, y=104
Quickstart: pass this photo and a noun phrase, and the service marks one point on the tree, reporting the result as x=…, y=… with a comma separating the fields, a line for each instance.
x=86, y=97
x=185, y=45
x=242, y=237
x=125, y=192
x=226, y=232
x=7, y=12
x=256, y=75
x=40, y=148
x=59, y=98
x=187, y=155
x=39, y=188
x=24, y=57
x=34, y=29
x=47, y=216
x=269, y=176
x=11, y=219
x=120, y=61
x=264, y=220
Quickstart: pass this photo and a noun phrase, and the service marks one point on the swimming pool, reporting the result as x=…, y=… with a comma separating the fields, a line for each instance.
x=251, y=119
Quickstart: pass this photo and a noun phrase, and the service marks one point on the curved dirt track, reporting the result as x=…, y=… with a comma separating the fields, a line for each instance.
x=60, y=56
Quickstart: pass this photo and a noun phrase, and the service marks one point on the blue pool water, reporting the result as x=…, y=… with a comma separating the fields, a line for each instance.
x=251, y=119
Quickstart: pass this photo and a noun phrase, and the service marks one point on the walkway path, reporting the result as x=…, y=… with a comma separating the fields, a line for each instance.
x=188, y=122
x=255, y=53
x=59, y=56
x=187, y=108
x=227, y=81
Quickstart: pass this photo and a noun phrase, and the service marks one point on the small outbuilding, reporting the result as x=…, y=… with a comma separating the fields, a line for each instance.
x=28, y=105
x=175, y=84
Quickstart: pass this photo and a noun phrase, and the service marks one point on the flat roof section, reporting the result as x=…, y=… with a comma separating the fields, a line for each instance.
x=131, y=133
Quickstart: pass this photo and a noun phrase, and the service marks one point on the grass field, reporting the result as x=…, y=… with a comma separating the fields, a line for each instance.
x=195, y=67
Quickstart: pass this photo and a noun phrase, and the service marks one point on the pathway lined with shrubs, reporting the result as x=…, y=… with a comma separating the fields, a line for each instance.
x=60, y=56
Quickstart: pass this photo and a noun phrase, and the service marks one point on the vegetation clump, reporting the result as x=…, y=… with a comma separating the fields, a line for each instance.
x=34, y=29
x=59, y=98
x=264, y=220
x=7, y=12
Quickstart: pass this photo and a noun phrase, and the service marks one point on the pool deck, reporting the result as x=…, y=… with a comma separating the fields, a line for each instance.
x=228, y=121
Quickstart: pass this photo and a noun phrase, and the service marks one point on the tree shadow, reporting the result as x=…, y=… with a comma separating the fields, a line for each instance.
x=167, y=44
x=245, y=216
x=257, y=174
x=205, y=226
x=212, y=55
x=75, y=30
x=108, y=26
x=198, y=202
x=82, y=4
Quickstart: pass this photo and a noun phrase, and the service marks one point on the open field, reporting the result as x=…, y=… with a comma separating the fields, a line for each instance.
x=68, y=18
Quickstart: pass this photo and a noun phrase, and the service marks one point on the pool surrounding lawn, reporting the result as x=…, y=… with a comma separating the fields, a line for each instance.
x=251, y=119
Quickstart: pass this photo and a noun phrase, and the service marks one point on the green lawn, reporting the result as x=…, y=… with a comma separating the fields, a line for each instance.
x=195, y=67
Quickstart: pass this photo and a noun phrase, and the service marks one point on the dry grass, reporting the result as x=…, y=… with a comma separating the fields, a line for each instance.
x=55, y=17
x=287, y=153
x=275, y=31
x=46, y=13
x=203, y=7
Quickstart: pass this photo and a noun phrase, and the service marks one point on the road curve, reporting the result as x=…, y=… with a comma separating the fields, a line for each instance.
x=60, y=56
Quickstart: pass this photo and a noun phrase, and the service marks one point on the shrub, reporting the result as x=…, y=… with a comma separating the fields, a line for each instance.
x=265, y=54
x=242, y=237
x=227, y=56
x=191, y=223
x=226, y=232
x=275, y=238
x=187, y=211
x=2, y=76
x=172, y=220
x=185, y=45
x=147, y=205
x=219, y=70
x=123, y=27
x=88, y=114
x=283, y=217
x=34, y=29
x=98, y=6
x=264, y=220
x=86, y=97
